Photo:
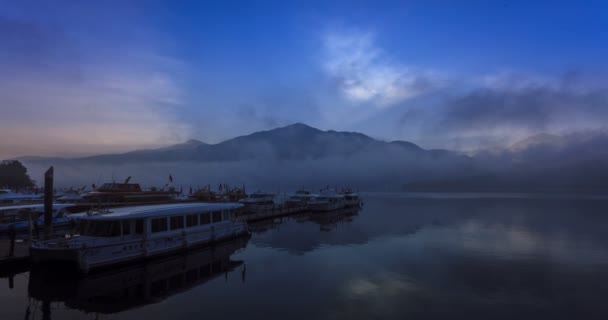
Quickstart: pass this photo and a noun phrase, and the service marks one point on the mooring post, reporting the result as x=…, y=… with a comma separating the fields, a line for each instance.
x=48, y=203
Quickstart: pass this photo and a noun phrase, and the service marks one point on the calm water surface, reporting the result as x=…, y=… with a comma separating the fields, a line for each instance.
x=401, y=256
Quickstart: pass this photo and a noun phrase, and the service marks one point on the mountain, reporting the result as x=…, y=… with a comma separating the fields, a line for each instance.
x=299, y=155
x=293, y=142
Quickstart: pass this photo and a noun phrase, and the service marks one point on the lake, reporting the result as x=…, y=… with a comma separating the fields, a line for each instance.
x=430, y=256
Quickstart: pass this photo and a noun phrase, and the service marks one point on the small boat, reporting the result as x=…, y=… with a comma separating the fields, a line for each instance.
x=128, y=193
x=128, y=234
x=18, y=218
x=8, y=197
x=328, y=200
x=259, y=202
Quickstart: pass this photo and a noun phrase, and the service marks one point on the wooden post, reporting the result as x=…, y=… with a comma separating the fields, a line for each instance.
x=48, y=203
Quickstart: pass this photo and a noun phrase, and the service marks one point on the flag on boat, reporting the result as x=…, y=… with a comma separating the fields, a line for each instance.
x=170, y=178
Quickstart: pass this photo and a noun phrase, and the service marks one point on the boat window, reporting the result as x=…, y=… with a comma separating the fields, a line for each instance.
x=126, y=228
x=225, y=215
x=159, y=224
x=205, y=218
x=177, y=222
x=192, y=220
x=217, y=216
x=102, y=229
x=139, y=226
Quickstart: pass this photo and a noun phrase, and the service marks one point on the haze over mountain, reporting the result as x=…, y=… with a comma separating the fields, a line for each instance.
x=300, y=155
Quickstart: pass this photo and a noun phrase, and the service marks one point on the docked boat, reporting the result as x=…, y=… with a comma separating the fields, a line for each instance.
x=328, y=200
x=129, y=234
x=8, y=197
x=351, y=198
x=24, y=219
x=128, y=193
x=136, y=285
x=204, y=194
x=303, y=196
x=258, y=202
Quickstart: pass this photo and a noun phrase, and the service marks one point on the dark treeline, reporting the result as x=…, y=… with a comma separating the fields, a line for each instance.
x=13, y=174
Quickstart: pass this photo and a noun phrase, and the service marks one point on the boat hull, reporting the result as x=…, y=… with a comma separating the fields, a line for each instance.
x=87, y=258
x=325, y=206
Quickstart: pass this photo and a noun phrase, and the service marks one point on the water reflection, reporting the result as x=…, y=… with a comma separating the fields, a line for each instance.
x=331, y=229
x=399, y=257
x=136, y=285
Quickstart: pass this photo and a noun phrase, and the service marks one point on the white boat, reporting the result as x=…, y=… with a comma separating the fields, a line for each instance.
x=131, y=233
x=351, y=198
x=259, y=202
x=18, y=218
x=8, y=197
x=303, y=196
x=137, y=284
x=327, y=201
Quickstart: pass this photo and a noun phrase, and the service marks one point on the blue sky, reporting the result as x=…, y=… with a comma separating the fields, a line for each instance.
x=85, y=77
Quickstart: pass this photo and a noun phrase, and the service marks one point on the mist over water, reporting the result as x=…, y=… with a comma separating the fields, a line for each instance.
x=366, y=171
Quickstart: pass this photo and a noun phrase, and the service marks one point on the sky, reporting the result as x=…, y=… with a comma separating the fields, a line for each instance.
x=90, y=77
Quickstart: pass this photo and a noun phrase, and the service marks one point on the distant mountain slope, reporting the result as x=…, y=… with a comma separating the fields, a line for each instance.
x=294, y=142
x=299, y=155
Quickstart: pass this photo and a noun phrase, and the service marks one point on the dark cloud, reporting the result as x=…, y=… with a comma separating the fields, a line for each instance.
x=535, y=108
x=506, y=110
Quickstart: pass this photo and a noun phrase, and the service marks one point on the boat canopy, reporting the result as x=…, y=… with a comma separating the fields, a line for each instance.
x=36, y=207
x=161, y=210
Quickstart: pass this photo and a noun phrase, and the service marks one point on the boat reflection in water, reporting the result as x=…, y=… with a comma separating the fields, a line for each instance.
x=327, y=221
x=138, y=285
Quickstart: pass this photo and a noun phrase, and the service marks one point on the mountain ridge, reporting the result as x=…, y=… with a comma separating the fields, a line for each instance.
x=291, y=142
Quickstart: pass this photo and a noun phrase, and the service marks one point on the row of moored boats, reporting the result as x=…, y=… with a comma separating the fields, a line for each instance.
x=102, y=238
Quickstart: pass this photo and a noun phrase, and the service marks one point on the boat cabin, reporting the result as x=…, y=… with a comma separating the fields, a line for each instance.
x=118, y=223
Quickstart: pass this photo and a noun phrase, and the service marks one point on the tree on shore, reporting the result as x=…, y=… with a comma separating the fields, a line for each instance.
x=13, y=174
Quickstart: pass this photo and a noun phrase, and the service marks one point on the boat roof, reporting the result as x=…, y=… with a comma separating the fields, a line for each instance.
x=325, y=196
x=37, y=206
x=135, y=212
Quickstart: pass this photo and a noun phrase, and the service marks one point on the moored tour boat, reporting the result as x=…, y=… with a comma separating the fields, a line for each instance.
x=136, y=285
x=328, y=200
x=128, y=193
x=131, y=233
x=351, y=198
x=23, y=219
x=303, y=195
x=258, y=202
x=8, y=197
